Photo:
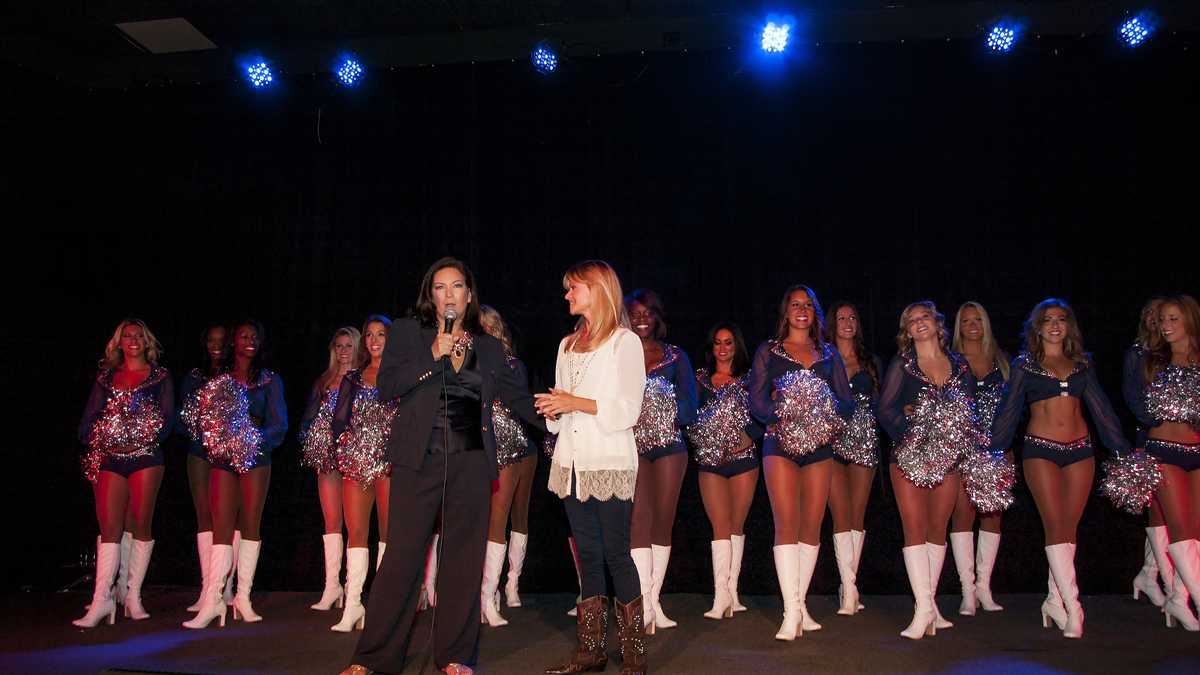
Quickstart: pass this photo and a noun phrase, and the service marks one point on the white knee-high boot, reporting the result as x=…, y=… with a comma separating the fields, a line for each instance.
x=379, y=554
x=722, y=553
x=807, y=563
x=916, y=563
x=212, y=599
x=1062, y=567
x=236, y=548
x=643, y=560
x=1186, y=557
x=843, y=551
x=787, y=570
x=332, y=545
x=963, y=544
x=493, y=562
x=985, y=560
x=103, y=606
x=517, y=542
x=737, y=548
x=1146, y=580
x=123, y=568
x=937, y=558
x=139, y=561
x=354, y=614
x=203, y=554
x=662, y=556
x=246, y=565
x=859, y=537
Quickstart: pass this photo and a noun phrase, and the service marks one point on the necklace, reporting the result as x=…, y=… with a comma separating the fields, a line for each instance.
x=575, y=374
x=461, y=344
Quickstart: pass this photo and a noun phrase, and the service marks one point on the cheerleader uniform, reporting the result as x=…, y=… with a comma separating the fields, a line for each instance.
x=859, y=443
x=124, y=428
x=316, y=437
x=267, y=412
x=669, y=404
x=715, y=438
x=188, y=422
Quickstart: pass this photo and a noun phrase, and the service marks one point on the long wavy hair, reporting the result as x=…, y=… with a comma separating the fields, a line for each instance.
x=1159, y=355
x=816, y=332
x=1072, y=345
x=331, y=370
x=741, y=358
x=1147, y=328
x=494, y=325
x=425, y=311
x=651, y=301
x=866, y=360
x=904, y=341
x=990, y=349
x=364, y=357
x=608, y=309
x=258, y=363
x=114, y=357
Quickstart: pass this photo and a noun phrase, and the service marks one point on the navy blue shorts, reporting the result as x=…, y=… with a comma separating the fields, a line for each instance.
x=127, y=467
x=264, y=459
x=771, y=449
x=1062, y=454
x=655, y=454
x=1183, y=455
x=734, y=468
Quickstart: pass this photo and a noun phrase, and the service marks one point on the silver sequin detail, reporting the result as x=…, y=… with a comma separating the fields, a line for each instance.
x=718, y=432
x=807, y=417
x=941, y=430
x=316, y=446
x=987, y=401
x=1077, y=444
x=128, y=427
x=988, y=480
x=512, y=444
x=1130, y=481
x=227, y=432
x=362, y=447
x=656, y=423
x=1174, y=396
x=859, y=443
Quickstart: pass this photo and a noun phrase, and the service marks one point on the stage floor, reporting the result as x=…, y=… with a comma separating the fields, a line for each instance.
x=1122, y=636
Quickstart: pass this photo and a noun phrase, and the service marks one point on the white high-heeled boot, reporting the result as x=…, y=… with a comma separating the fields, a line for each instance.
x=843, y=551
x=787, y=570
x=139, y=561
x=579, y=579
x=662, y=556
x=722, y=607
x=804, y=572
x=333, y=594
x=227, y=595
x=429, y=586
x=1052, y=606
x=212, y=600
x=963, y=544
x=737, y=544
x=1146, y=580
x=1187, y=581
x=103, y=606
x=643, y=560
x=246, y=565
x=203, y=554
x=916, y=563
x=937, y=558
x=493, y=561
x=517, y=541
x=123, y=568
x=379, y=554
x=354, y=614
x=985, y=560
x=1062, y=566
x=1157, y=537
x=859, y=537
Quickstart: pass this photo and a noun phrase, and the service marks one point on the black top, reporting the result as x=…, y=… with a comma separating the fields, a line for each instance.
x=905, y=379
x=456, y=421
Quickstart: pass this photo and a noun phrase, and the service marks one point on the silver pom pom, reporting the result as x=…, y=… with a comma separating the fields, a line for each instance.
x=988, y=480
x=1174, y=396
x=859, y=443
x=656, y=424
x=717, y=434
x=190, y=414
x=941, y=429
x=127, y=428
x=228, y=434
x=1130, y=481
x=807, y=417
x=512, y=444
x=362, y=447
x=987, y=400
x=316, y=446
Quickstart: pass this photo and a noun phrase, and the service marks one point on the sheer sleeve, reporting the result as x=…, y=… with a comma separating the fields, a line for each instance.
x=275, y=422
x=686, y=396
x=95, y=406
x=187, y=386
x=890, y=410
x=407, y=362
x=310, y=409
x=1009, y=409
x=618, y=409
x=342, y=409
x=843, y=396
x=1103, y=416
x=762, y=408
x=1133, y=387
x=878, y=362
x=514, y=391
x=166, y=407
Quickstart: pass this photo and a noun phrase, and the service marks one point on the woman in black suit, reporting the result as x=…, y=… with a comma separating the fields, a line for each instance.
x=446, y=372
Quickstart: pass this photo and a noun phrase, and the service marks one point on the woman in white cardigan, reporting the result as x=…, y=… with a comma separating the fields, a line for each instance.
x=600, y=376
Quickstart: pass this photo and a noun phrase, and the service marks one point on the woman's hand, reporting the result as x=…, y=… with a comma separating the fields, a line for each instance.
x=442, y=345
x=555, y=403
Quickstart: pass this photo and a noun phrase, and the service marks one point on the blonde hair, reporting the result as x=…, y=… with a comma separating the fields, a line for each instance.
x=1145, y=335
x=113, y=357
x=608, y=308
x=494, y=325
x=904, y=341
x=990, y=350
x=331, y=371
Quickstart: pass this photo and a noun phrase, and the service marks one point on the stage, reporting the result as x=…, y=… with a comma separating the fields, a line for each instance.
x=1122, y=636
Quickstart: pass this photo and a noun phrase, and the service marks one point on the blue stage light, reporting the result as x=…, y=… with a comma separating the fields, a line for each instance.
x=775, y=37
x=349, y=72
x=1001, y=38
x=259, y=74
x=1135, y=31
x=545, y=61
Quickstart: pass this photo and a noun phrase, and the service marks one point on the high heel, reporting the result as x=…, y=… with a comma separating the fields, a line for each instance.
x=139, y=561
x=916, y=563
x=643, y=560
x=103, y=605
x=843, y=551
x=227, y=594
x=333, y=594
x=354, y=615
x=1146, y=580
x=963, y=544
x=737, y=546
x=807, y=563
x=985, y=559
x=1062, y=567
x=204, y=554
x=662, y=556
x=937, y=557
x=212, y=605
x=787, y=569
x=493, y=561
x=1187, y=582
x=1052, y=607
x=860, y=536
x=722, y=607
x=247, y=564
x=517, y=543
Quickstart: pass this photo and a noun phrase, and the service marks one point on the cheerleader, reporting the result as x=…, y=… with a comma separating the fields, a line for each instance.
x=973, y=339
x=1156, y=562
x=516, y=457
x=1053, y=377
x=216, y=351
x=128, y=416
x=668, y=406
x=360, y=428
x=855, y=452
x=798, y=388
x=243, y=418
x=723, y=439
x=1171, y=372
x=926, y=408
x=317, y=452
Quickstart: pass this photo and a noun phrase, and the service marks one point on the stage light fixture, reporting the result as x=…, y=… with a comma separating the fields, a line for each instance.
x=1001, y=38
x=544, y=60
x=775, y=37
x=1135, y=31
x=349, y=72
x=259, y=74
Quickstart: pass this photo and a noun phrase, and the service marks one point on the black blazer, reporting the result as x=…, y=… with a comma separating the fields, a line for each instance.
x=408, y=372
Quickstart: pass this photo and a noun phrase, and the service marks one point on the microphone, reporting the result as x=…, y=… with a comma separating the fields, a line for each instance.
x=450, y=315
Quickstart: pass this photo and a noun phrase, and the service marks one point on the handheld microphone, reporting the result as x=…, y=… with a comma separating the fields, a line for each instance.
x=450, y=316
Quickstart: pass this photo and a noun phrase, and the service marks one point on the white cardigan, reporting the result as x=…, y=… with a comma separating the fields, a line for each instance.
x=599, y=450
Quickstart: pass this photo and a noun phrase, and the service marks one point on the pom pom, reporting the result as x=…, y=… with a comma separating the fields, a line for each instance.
x=512, y=444
x=1174, y=396
x=656, y=423
x=717, y=434
x=1131, y=480
x=941, y=429
x=127, y=428
x=362, y=447
x=228, y=434
x=807, y=417
x=988, y=480
x=859, y=443
x=316, y=445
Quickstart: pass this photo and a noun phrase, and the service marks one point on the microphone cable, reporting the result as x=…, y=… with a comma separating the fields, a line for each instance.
x=441, y=542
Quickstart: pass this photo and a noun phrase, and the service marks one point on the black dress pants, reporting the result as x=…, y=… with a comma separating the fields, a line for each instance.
x=416, y=497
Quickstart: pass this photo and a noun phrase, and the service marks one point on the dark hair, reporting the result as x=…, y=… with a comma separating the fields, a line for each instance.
x=1149, y=310
x=741, y=359
x=226, y=350
x=258, y=363
x=424, y=309
x=650, y=300
x=1032, y=339
x=866, y=360
x=364, y=357
x=817, y=331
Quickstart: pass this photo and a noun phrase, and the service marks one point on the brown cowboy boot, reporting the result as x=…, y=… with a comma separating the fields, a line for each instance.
x=591, y=633
x=633, y=638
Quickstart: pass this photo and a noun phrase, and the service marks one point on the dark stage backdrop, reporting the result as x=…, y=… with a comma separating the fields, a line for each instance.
x=881, y=174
